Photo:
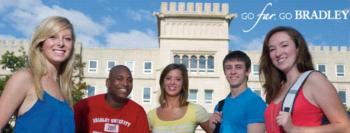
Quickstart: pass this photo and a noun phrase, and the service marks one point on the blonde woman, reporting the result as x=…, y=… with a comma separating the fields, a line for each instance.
x=40, y=95
x=175, y=114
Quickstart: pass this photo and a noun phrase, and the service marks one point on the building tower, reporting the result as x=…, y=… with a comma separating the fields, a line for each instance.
x=196, y=35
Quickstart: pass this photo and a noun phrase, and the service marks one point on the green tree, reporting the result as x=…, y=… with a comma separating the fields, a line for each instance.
x=78, y=79
x=12, y=62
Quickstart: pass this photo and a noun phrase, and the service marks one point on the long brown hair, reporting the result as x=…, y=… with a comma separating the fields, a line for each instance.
x=273, y=78
x=184, y=90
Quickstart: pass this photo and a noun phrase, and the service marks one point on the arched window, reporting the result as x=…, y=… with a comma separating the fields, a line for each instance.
x=202, y=63
x=177, y=59
x=185, y=60
x=210, y=64
x=193, y=63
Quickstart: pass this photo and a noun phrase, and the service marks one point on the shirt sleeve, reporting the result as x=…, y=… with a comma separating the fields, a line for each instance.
x=80, y=117
x=201, y=114
x=150, y=118
x=141, y=125
x=256, y=111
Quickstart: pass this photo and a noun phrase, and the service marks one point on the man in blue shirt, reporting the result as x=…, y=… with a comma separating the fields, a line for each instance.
x=242, y=110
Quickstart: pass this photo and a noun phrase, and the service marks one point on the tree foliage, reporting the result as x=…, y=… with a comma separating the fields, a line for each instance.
x=78, y=79
x=12, y=62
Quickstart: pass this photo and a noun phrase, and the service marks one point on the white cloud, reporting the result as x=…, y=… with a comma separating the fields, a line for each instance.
x=255, y=44
x=235, y=39
x=132, y=39
x=88, y=41
x=151, y=33
x=6, y=37
x=108, y=21
x=6, y=4
x=238, y=43
x=141, y=15
x=25, y=15
x=26, y=19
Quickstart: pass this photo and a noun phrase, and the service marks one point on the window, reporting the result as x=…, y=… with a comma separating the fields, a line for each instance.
x=147, y=67
x=185, y=60
x=202, y=64
x=110, y=64
x=193, y=95
x=196, y=63
x=321, y=68
x=340, y=70
x=210, y=64
x=92, y=66
x=342, y=96
x=208, y=96
x=130, y=65
x=91, y=90
x=257, y=92
x=146, y=95
x=193, y=63
x=255, y=70
x=177, y=59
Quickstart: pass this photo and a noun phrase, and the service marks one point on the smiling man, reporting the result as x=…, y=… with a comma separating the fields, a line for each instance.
x=242, y=110
x=113, y=111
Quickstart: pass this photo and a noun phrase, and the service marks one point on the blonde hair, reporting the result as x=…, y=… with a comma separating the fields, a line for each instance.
x=37, y=61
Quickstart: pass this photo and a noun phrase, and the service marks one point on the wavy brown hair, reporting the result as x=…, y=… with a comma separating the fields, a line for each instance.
x=37, y=60
x=270, y=76
x=184, y=90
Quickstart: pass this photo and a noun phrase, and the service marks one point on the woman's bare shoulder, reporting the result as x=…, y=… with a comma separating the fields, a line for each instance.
x=23, y=72
x=21, y=78
x=317, y=79
x=319, y=85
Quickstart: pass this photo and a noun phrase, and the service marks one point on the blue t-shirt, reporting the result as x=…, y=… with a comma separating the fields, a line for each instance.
x=48, y=115
x=238, y=112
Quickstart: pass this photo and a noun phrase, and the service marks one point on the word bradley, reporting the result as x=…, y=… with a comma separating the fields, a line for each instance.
x=107, y=120
x=321, y=14
x=297, y=15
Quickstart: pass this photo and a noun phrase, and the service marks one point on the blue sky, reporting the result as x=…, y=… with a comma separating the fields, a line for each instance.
x=131, y=24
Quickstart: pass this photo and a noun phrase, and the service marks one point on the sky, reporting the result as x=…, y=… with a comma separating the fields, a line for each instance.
x=131, y=23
